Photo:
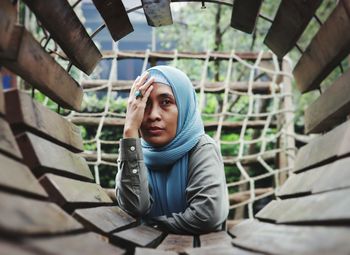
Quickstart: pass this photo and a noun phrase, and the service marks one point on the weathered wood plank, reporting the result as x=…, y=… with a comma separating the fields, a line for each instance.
x=245, y=14
x=326, y=50
x=104, y=219
x=177, y=243
x=2, y=100
x=14, y=248
x=150, y=251
x=215, y=239
x=16, y=176
x=82, y=244
x=140, y=236
x=23, y=216
x=8, y=143
x=38, y=68
x=270, y=212
x=219, y=250
x=58, y=18
x=325, y=148
x=24, y=113
x=71, y=194
x=157, y=12
x=114, y=14
x=282, y=239
x=331, y=108
x=325, y=178
x=8, y=19
x=290, y=21
x=43, y=156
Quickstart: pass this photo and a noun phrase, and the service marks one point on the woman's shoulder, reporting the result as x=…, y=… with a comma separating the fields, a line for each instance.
x=204, y=141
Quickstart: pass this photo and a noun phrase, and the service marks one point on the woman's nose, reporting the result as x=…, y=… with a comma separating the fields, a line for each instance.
x=154, y=113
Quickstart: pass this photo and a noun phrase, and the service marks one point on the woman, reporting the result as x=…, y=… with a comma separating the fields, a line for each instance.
x=174, y=176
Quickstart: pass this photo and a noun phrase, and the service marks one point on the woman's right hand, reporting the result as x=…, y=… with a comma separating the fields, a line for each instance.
x=136, y=106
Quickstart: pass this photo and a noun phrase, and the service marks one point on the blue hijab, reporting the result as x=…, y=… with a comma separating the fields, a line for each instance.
x=168, y=165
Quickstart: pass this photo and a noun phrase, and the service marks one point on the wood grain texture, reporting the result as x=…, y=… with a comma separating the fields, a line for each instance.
x=321, y=179
x=329, y=46
x=71, y=194
x=140, y=236
x=325, y=148
x=104, y=219
x=82, y=244
x=16, y=176
x=7, y=247
x=59, y=18
x=245, y=14
x=283, y=239
x=24, y=113
x=23, y=216
x=43, y=156
x=291, y=19
x=157, y=12
x=115, y=16
x=331, y=108
x=220, y=238
x=219, y=250
x=2, y=101
x=8, y=144
x=150, y=251
x=8, y=17
x=177, y=243
x=38, y=68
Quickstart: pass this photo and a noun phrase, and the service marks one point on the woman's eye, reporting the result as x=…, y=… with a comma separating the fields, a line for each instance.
x=165, y=102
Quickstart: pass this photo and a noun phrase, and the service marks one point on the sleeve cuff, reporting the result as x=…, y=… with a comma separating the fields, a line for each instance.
x=130, y=149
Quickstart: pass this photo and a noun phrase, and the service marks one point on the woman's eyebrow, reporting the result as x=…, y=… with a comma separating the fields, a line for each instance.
x=166, y=95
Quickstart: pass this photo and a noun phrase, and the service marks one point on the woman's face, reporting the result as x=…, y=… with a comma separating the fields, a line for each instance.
x=159, y=123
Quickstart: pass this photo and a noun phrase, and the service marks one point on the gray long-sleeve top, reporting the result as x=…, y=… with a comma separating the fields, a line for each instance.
x=206, y=192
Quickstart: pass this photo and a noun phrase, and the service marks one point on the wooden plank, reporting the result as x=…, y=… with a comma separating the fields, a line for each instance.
x=104, y=219
x=82, y=244
x=115, y=16
x=270, y=212
x=8, y=143
x=38, y=68
x=43, y=156
x=177, y=243
x=23, y=216
x=219, y=250
x=14, y=248
x=140, y=236
x=329, y=46
x=8, y=19
x=2, y=100
x=325, y=178
x=283, y=239
x=331, y=108
x=245, y=14
x=17, y=177
x=157, y=12
x=150, y=251
x=329, y=207
x=291, y=19
x=325, y=148
x=58, y=18
x=24, y=113
x=71, y=194
x=220, y=238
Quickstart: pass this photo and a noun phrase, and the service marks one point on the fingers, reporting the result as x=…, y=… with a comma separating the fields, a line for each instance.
x=147, y=93
x=139, y=82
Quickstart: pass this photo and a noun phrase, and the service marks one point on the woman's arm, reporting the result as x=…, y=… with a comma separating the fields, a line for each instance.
x=206, y=193
x=132, y=190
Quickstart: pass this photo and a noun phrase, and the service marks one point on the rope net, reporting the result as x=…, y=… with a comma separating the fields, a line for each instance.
x=245, y=100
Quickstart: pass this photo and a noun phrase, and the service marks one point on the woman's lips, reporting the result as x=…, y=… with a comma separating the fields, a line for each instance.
x=155, y=130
